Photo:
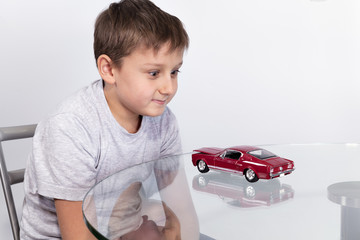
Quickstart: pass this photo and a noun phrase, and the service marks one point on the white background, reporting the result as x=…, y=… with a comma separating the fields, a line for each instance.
x=257, y=72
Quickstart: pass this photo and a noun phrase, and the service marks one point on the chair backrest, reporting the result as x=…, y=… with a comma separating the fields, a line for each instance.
x=9, y=178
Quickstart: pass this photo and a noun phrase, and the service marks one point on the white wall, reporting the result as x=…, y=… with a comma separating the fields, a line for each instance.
x=256, y=72
x=270, y=72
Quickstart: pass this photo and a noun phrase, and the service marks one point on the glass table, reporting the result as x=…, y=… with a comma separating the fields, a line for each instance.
x=169, y=197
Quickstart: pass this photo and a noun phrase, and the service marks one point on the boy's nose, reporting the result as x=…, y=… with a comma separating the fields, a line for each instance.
x=169, y=86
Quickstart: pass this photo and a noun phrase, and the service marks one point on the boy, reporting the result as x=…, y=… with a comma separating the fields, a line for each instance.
x=114, y=123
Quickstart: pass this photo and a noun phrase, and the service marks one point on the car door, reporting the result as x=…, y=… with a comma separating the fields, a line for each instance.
x=227, y=160
x=239, y=164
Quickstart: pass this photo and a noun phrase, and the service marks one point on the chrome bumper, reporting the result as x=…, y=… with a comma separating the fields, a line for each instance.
x=273, y=175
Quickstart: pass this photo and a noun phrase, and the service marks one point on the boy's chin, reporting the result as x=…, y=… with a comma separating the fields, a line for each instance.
x=154, y=112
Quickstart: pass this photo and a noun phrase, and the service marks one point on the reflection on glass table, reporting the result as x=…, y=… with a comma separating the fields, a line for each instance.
x=236, y=191
x=302, y=205
x=148, y=201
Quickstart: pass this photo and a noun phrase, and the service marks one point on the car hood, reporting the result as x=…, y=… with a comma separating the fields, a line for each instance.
x=276, y=161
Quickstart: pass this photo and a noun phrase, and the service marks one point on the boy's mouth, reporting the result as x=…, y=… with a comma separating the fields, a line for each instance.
x=160, y=102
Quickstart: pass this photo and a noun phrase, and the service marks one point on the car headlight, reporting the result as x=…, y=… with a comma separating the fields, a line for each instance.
x=271, y=170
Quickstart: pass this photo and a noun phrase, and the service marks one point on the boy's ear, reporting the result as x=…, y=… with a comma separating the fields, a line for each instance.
x=105, y=68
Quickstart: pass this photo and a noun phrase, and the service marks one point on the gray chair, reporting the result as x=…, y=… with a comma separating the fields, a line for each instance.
x=9, y=178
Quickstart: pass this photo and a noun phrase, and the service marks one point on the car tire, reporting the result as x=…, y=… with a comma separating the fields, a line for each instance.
x=202, y=166
x=250, y=175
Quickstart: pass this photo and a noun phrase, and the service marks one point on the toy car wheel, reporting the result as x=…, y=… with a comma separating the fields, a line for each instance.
x=250, y=175
x=202, y=166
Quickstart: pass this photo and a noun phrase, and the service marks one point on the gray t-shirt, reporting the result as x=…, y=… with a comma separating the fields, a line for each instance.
x=77, y=146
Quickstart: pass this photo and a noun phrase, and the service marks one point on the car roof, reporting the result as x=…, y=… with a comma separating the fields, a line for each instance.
x=216, y=150
x=243, y=148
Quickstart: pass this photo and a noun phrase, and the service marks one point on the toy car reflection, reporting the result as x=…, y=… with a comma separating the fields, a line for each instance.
x=253, y=162
x=238, y=192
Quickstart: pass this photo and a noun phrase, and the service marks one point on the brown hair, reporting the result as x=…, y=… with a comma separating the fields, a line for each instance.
x=130, y=23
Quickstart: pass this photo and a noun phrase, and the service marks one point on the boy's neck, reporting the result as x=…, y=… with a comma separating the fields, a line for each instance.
x=130, y=125
x=130, y=122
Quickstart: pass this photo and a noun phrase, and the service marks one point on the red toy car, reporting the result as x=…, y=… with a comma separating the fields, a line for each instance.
x=253, y=162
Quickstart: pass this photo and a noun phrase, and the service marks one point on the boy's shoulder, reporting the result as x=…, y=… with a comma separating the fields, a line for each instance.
x=83, y=102
x=83, y=106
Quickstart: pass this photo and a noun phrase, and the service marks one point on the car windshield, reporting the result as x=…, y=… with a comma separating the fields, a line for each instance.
x=261, y=154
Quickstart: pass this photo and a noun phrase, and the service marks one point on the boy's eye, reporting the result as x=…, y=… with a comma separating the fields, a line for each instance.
x=175, y=72
x=154, y=73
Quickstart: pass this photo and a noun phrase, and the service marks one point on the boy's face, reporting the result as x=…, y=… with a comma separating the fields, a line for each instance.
x=146, y=82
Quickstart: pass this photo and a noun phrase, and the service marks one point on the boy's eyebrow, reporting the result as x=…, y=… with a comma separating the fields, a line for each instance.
x=160, y=65
x=179, y=64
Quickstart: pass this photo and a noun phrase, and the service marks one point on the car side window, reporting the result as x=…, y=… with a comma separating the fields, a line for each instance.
x=233, y=155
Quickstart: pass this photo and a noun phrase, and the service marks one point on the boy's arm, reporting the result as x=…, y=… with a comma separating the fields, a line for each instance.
x=71, y=222
x=62, y=142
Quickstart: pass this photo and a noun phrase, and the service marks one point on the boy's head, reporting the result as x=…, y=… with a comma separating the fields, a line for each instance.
x=129, y=24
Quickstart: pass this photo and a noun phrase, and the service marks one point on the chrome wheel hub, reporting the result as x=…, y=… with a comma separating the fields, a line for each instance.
x=250, y=174
x=202, y=165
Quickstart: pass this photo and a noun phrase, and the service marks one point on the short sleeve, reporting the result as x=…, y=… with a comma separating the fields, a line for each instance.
x=171, y=140
x=65, y=157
